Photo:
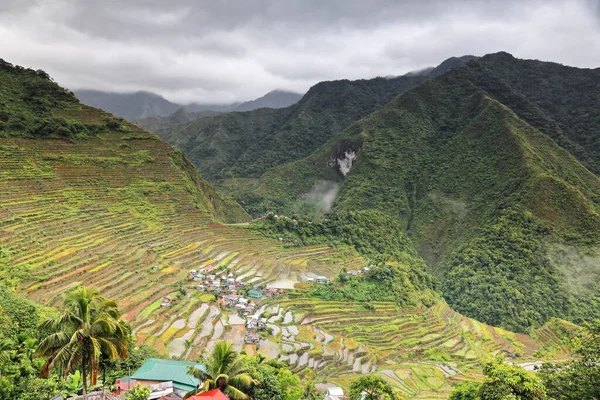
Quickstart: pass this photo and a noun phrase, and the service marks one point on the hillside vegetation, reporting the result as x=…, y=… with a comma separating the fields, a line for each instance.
x=183, y=115
x=505, y=217
x=245, y=145
x=109, y=206
x=120, y=210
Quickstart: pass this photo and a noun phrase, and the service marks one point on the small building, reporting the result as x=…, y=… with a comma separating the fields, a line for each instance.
x=210, y=395
x=252, y=338
x=95, y=396
x=243, y=300
x=255, y=294
x=208, y=268
x=322, y=279
x=166, y=302
x=262, y=323
x=335, y=393
x=211, y=278
x=223, y=303
x=155, y=268
x=201, y=288
x=123, y=384
x=156, y=370
x=240, y=307
x=310, y=280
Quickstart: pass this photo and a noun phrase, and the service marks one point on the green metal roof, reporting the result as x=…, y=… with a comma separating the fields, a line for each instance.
x=156, y=369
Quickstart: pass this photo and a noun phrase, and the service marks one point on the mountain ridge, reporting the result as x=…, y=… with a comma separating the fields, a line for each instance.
x=246, y=145
x=139, y=105
x=467, y=175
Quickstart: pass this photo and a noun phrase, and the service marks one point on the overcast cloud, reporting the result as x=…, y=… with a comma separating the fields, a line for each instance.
x=223, y=51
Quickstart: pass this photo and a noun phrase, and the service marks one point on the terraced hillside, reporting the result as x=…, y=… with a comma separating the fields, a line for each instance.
x=90, y=199
x=105, y=211
x=421, y=351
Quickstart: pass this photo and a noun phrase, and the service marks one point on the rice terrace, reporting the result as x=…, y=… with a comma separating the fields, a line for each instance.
x=299, y=201
x=119, y=212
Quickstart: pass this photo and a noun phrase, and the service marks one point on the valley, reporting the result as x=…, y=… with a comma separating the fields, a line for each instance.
x=451, y=228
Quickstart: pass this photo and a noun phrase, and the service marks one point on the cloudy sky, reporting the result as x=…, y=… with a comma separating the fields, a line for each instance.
x=220, y=51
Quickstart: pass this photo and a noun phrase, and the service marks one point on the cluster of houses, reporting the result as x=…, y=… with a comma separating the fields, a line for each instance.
x=169, y=301
x=241, y=304
x=254, y=324
x=355, y=272
x=215, y=284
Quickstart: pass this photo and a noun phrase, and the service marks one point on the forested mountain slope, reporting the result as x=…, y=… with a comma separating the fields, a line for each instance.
x=506, y=218
x=131, y=106
x=245, y=145
x=273, y=99
x=183, y=115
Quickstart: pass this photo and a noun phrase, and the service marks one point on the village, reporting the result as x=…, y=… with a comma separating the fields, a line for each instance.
x=232, y=293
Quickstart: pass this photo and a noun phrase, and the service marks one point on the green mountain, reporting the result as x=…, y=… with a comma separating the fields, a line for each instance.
x=90, y=199
x=145, y=105
x=131, y=106
x=476, y=165
x=273, y=99
x=183, y=115
x=246, y=145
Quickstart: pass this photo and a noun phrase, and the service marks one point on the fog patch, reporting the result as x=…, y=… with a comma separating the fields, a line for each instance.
x=320, y=198
x=457, y=207
x=581, y=270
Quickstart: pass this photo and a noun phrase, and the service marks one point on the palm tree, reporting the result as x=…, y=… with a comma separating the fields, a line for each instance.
x=225, y=370
x=89, y=328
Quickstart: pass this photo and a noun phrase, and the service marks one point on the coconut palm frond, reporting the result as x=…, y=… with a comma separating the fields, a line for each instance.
x=242, y=381
x=199, y=374
x=237, y=366
x=50, y=343
x=235, y=394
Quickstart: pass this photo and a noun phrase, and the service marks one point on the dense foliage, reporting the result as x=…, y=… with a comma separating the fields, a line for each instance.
x=576, y=379
x=397, y=273
x=275, y=382
x=88, y=331
x=371, y=387
x=248, y=144
x=226, y=370
x=506, y=218
x=502, y=382
x=505, y=265
x=243, y=377
x=29, y=101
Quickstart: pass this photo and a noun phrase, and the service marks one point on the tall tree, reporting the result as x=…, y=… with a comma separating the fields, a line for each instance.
x=90, y=327
x=502, y=382
x=371, y=387
x=225, y=370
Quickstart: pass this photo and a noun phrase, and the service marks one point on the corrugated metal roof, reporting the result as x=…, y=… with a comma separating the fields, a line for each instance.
x=156, y=369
